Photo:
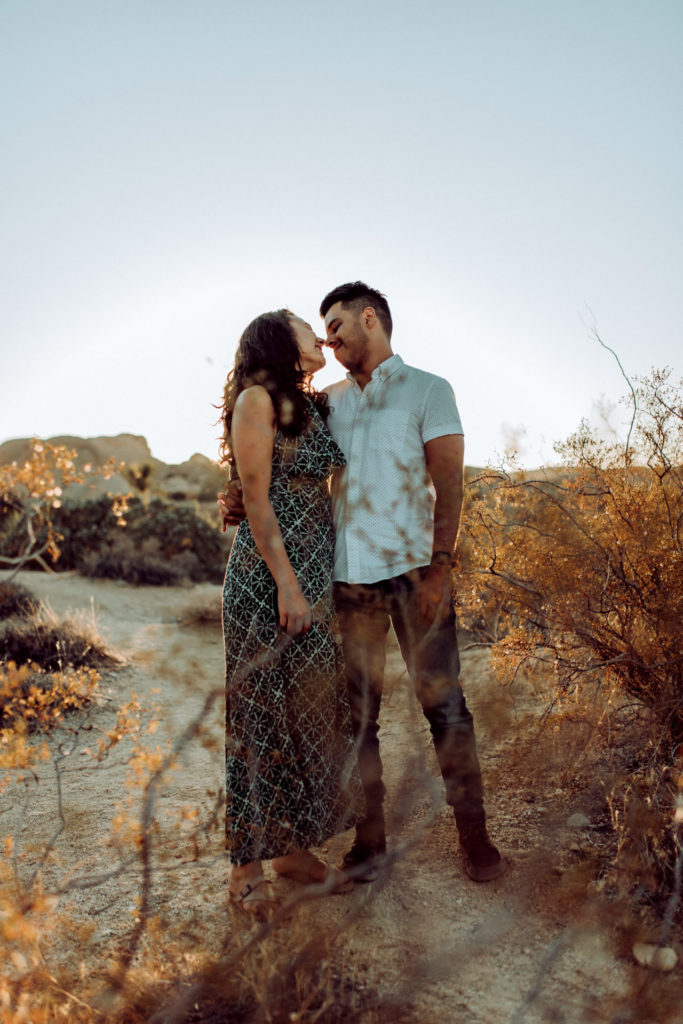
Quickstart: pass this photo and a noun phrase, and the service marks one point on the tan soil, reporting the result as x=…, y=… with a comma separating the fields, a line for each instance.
x=427, y=941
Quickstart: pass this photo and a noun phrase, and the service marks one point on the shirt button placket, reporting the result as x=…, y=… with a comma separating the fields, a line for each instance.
x=354, y=488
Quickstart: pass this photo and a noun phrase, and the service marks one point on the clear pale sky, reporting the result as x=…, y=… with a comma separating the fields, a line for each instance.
x=172, y=169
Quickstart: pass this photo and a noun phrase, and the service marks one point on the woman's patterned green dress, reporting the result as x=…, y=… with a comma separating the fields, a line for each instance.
x=291, y=767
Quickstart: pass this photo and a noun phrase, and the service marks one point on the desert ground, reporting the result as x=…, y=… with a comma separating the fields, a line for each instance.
x=424, y=940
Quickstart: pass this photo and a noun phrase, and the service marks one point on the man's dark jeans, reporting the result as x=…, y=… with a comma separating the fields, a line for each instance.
x=431, y=654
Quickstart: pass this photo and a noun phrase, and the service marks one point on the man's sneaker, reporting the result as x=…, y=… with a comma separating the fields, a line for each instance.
x=483, y=862
x=364, y=861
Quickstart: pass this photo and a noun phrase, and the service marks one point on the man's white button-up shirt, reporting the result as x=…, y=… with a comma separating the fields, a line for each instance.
x=382, y=502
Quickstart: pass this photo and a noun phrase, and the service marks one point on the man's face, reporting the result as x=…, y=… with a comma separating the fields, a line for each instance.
x=346, y=336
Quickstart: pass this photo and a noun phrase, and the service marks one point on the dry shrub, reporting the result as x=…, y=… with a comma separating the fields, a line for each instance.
x=155, y=542
x=40, y=699
x=208, y=612
x=295, y=971
x=152, y=542
x=580, y=571
x=53, y=645
x=296, y=974
x=16, y=600
x=30, y=498
x=140, y=564
x=35, y=985
x=48, y=668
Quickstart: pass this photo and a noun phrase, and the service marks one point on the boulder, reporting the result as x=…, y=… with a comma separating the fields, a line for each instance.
x=197, y=479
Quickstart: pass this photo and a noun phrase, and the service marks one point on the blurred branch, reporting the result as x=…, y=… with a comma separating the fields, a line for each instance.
x=596, y=336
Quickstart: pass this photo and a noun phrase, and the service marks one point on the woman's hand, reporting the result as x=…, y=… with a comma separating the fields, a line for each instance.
x=295, y=611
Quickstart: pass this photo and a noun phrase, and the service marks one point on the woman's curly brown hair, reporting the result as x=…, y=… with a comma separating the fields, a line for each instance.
x=268, y=354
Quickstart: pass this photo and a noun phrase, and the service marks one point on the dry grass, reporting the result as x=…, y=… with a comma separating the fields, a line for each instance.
x=52, y=644
x=298, y=971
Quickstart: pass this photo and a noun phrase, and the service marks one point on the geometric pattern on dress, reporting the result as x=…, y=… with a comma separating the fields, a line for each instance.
x=291, y=762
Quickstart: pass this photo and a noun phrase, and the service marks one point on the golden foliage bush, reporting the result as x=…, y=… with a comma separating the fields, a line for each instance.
x=30, y=494
x=579, y=570
x=586, y=562
x=40, y=699
x=152, y=542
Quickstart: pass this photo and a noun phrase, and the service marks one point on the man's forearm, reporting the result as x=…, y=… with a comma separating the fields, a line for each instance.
x=445, y=462
x=447, y=512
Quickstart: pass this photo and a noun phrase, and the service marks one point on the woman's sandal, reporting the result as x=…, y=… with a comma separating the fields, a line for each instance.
x=250, y=902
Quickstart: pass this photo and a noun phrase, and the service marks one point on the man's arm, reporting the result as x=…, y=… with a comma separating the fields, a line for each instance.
x=445, y=457
x=445, y=464
x=230, y=504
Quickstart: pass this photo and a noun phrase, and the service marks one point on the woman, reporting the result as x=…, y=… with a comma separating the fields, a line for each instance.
x=290, y=776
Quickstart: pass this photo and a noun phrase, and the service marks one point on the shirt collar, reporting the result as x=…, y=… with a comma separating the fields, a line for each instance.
x=384, y=370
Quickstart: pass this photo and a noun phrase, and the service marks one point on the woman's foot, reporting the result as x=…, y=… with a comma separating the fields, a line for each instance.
x=304, y=867
x=301, y=863
x=251, y=892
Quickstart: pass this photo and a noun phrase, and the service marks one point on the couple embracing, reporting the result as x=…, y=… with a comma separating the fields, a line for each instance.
x=315, y=557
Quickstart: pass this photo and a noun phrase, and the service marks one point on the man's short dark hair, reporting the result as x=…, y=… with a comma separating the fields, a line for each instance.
x=357, y=295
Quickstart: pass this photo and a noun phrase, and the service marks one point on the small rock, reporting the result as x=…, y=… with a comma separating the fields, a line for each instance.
x=663, y=958
x=578, y=820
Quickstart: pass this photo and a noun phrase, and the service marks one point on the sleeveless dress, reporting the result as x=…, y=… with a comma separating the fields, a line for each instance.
x=291, y=764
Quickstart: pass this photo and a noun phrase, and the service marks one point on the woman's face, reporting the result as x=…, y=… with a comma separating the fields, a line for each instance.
x=311, y=355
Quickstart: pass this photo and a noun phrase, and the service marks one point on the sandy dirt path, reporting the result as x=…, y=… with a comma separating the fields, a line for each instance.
x=429, y=942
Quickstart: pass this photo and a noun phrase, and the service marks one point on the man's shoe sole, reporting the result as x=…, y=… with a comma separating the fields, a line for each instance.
x=486, y=874
x=364, y=870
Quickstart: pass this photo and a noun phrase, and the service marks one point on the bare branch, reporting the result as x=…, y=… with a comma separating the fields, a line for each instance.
x=596, y=336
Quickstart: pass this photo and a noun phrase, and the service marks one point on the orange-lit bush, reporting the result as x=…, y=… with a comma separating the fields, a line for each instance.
x=41, y=699
x=580, y=570
x=586, y=562
x=30, y=494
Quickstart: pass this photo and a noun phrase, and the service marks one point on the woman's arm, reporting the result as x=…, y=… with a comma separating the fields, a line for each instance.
x=253, y=432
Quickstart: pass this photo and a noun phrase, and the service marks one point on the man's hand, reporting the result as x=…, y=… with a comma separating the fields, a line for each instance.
x=435, y=592
x=230, y=505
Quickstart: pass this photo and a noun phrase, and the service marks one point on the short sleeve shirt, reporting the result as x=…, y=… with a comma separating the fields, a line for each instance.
x=382, y=501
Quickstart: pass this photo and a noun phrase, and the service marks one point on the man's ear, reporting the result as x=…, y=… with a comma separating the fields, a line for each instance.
x=368, y=317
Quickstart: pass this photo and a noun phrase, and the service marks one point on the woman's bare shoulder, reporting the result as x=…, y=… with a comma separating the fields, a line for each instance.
x=255, y=401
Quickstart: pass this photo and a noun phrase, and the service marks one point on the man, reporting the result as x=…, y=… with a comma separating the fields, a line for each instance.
x=399, y=429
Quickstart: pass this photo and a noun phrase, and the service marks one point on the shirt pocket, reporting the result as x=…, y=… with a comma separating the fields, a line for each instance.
x=387, y=433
